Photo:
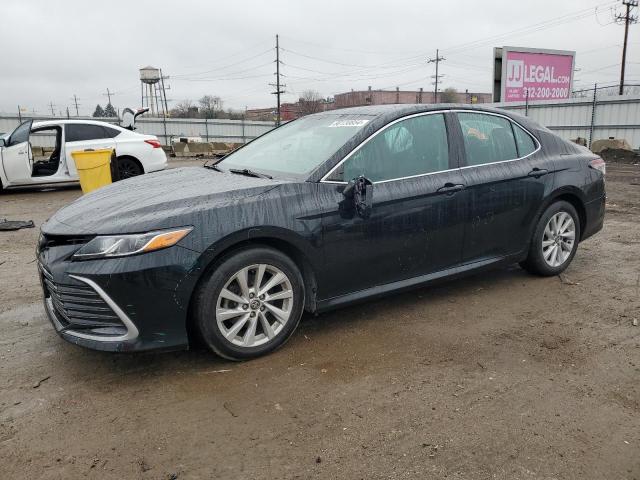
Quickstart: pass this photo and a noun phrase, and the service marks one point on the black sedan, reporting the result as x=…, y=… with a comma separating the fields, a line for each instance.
x=327, y=210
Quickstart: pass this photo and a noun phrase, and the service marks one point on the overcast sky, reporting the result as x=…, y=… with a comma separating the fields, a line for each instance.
x=55, y=49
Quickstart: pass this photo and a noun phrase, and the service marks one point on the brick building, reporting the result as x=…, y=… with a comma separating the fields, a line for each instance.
x=291, y=111
x=288, y=111
x=383, y=97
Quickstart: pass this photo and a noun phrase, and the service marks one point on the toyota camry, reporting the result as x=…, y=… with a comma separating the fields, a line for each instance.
x=330, y=209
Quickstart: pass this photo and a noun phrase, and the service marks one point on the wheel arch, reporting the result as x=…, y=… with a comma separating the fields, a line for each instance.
x=282, y=240
x=572, y=195
x=131, y=157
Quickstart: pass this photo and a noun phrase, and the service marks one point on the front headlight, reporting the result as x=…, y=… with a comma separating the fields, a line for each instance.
x=108, y=246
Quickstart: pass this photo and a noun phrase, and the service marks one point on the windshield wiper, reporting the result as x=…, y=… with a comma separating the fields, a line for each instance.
x=249, y=173
x=213, y=167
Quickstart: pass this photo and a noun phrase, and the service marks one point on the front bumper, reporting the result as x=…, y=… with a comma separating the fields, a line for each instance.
x=126, y=304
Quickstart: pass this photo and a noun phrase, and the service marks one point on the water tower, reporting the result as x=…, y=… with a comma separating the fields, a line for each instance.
x=152, y=89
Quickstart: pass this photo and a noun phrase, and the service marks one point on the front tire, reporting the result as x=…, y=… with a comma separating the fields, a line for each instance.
x=555, y=240
x=250, y=304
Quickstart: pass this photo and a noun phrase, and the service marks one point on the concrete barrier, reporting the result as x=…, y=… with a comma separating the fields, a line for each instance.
x=188, y=149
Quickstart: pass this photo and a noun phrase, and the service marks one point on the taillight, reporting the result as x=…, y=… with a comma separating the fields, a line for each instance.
x=153, y=143
x=598, y=164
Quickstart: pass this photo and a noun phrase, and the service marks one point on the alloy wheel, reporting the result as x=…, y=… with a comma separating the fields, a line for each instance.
x=558, y=240
x=128, y=168
x=254, y=305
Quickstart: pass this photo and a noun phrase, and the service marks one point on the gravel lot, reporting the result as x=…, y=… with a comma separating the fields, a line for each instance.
x=499, y=375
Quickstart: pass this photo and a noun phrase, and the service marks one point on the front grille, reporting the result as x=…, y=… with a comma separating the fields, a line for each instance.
x=47, y=241
x=80, y=307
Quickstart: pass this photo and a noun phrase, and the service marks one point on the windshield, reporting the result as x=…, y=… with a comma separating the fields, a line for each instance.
x=297, y=148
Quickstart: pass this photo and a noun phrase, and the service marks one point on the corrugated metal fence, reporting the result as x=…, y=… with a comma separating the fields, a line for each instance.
x=588, y=117
x=211, y=130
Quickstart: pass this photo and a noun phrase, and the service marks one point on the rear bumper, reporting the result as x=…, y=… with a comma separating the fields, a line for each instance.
x=156, y=161
x=594, y=211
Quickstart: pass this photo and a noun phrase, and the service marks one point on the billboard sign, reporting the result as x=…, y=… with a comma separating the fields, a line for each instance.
x=535, y=74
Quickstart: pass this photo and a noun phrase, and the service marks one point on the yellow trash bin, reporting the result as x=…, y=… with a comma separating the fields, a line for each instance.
x=94, y=168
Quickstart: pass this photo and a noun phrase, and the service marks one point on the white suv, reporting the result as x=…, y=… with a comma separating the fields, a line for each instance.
x=39, y=153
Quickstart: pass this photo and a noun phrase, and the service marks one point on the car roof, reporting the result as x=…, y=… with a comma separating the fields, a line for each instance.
x=401, y=110
x=46, y=123
x=387, y=113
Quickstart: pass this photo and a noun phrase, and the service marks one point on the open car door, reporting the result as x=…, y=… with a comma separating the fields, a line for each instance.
x=129, y=117
x=16, y=155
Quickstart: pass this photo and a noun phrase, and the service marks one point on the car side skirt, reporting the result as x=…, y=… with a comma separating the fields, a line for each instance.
x=421, y=281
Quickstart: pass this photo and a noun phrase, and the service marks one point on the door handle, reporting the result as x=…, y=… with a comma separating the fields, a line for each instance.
x=451, y=188
x=537, y=172
x=22, y=152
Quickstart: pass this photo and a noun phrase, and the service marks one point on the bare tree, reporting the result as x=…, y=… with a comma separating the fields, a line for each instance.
x=310, y=102
x=210, y=106
x=184, y=109
x=449, y=95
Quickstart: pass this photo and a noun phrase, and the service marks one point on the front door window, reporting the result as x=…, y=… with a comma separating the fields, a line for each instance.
x=411, y=147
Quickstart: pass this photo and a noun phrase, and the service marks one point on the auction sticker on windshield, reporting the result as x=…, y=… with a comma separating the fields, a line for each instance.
x=349, y=123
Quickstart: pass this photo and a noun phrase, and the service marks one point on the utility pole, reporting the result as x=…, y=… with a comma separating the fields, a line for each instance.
x=278, y=85
x=164, y=94
x=594, y=104
x=51, y=105
x=108, y=94
x=75, y=100
x=437, y=61
x=628, y=19
x=67, y=113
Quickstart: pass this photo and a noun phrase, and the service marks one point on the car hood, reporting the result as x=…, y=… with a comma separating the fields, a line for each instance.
x=154, y=201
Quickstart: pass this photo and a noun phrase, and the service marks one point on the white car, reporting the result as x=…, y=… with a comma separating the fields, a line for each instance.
x=38, y=153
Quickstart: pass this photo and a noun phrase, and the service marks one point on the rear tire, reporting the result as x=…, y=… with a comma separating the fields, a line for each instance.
x=250, y=304
x=129, y=167
x=555, y=240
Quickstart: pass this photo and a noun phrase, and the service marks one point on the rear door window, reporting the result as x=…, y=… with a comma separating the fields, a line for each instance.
x=526, y=145
x=111, y=132
x=79, y=132
x=487, y=138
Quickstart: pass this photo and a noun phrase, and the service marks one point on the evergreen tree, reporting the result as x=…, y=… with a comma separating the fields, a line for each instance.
x=99, y=111
x=109, y=111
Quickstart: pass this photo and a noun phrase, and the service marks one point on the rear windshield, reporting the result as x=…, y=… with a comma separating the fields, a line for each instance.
x=299, y=147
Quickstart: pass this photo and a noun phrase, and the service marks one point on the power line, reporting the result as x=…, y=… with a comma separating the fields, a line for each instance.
x=232, y=55
x=222, y=67
x=368, y=70
x=552, y=22
x=228, y=76
x=549, y=23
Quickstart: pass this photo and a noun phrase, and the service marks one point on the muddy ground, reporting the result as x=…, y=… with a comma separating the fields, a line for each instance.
x=500, y=375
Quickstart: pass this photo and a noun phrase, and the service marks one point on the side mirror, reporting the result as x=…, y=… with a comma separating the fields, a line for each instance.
x=360, y=191
x=3, y=142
